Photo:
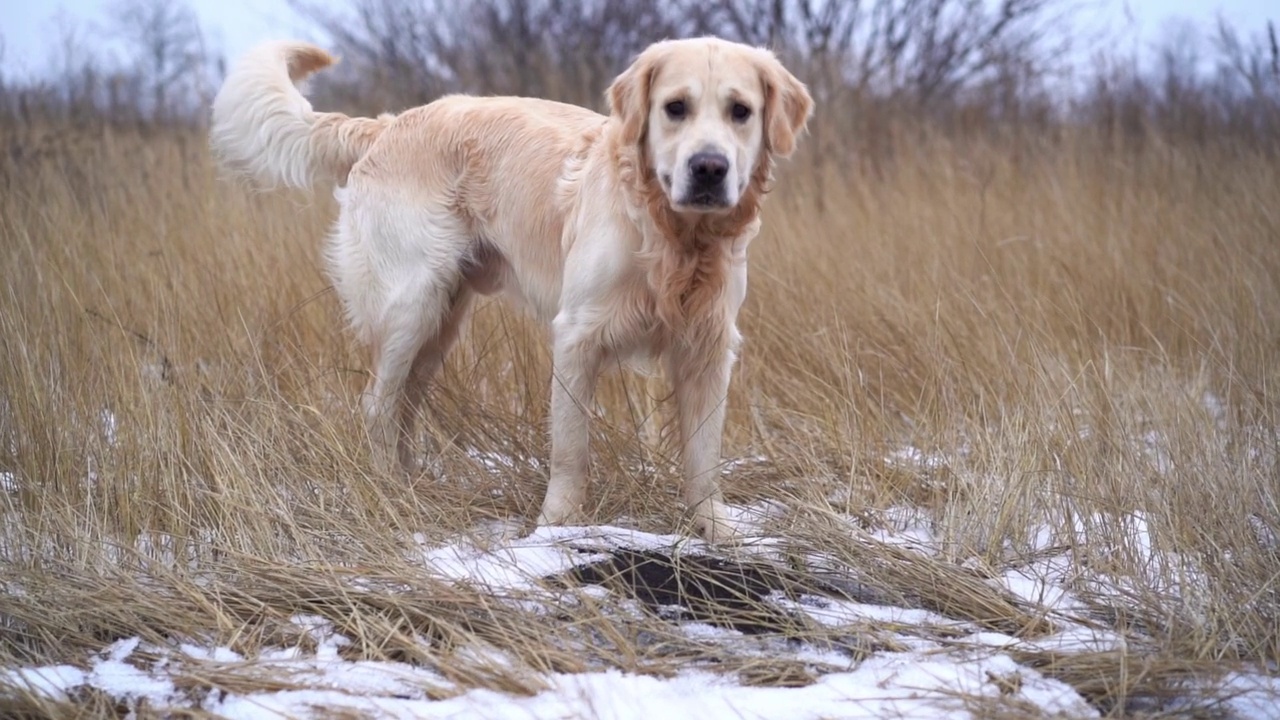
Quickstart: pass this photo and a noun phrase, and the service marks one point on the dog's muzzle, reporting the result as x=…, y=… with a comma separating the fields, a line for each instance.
x=707, y=174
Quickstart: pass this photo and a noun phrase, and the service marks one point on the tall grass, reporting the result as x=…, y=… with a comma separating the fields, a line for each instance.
x=1079, y=338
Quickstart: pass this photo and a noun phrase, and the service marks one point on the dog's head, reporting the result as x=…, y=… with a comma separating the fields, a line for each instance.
x=703, y=114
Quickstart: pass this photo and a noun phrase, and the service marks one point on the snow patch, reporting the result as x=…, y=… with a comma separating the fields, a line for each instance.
x=909, y=685
x=51, y=682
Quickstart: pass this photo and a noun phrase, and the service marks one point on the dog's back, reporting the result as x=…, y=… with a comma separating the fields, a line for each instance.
x=498, y=165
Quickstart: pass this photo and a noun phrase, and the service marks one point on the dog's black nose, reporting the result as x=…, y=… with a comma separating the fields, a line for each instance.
x=708, y=169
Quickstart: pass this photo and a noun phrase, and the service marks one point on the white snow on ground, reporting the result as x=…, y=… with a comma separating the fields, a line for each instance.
x=51, y=681
x=924, y=678
x=833, y=612
x=909, y=685
x=1253, y=696
x=894, y=685
x=519, y=562
x=911, y=456
x=906, y=527
x=928, y=681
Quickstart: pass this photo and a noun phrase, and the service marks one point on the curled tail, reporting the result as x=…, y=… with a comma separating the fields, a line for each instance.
x=263, y=127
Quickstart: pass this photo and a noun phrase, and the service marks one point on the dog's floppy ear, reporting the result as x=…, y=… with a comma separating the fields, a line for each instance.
x=629, y=97
x=787, y=107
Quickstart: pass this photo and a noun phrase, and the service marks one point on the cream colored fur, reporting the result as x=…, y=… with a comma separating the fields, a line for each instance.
x=585, y=219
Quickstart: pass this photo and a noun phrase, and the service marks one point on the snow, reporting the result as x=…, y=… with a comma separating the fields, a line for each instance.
x=520, y=563
x=833, y=612
x=905, y=527
x=499, y=462
x=121, y=680
x=51, y=681
x=109, y=673
x=923, y=679
x=948, y=671
x=1252, y=697
x=896, y=685
x=215, y=654
x=915, y=457
x=909, y=685
x=1042, y=582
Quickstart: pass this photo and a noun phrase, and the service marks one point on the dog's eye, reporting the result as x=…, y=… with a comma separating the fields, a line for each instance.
x=740, y=112
x=676, y=109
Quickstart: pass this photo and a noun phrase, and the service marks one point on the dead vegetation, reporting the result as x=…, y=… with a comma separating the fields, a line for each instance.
x=1075, y=340
x=1046, y=342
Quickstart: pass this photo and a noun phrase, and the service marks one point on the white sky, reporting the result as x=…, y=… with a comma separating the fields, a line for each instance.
x=30, y=30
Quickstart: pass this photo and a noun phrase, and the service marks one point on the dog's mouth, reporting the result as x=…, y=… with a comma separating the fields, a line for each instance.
x=696, y=199
x=703, y=201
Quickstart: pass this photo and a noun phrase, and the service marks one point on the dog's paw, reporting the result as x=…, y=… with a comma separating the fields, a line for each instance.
x=715, y=523
x=735, y=524
x=561, y=516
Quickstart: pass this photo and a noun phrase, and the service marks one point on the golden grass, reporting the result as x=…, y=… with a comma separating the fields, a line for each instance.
x=1082, y=337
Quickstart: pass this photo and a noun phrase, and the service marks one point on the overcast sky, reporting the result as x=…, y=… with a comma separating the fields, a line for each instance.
x=30, y=29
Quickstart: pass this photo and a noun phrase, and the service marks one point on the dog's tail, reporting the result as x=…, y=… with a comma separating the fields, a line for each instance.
x=263, y=127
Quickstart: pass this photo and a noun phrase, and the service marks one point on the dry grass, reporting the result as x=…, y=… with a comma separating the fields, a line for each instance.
x=1080, y=338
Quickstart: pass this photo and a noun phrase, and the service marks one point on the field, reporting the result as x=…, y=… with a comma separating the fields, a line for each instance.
x=1007, y=407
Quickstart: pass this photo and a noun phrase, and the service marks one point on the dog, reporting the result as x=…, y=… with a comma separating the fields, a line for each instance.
x=626, y=232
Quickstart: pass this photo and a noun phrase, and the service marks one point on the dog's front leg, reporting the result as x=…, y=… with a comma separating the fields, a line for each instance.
x=577, y=358
x=701, y=384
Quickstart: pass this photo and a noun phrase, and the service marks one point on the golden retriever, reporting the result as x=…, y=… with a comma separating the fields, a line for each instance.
x=628, y=233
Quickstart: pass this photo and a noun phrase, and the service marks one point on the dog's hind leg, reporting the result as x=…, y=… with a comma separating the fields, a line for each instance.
x=426, y=364
x=416, y=321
